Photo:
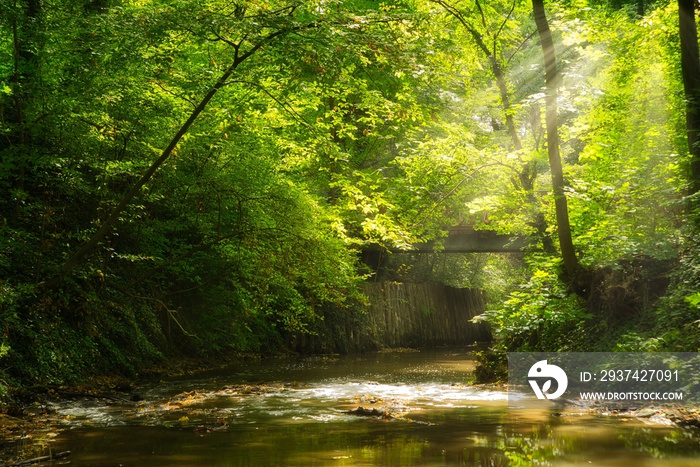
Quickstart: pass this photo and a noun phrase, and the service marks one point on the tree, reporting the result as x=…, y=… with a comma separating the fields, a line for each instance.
x=551, y=82
x=279, y=25
x=690, y=65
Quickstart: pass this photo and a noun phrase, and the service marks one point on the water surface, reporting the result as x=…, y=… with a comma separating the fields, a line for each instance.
x=294, y=412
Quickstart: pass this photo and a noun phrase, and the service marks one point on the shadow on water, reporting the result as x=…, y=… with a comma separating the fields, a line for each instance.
x=294, y=412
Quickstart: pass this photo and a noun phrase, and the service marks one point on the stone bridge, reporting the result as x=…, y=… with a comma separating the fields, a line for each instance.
x=467, y=240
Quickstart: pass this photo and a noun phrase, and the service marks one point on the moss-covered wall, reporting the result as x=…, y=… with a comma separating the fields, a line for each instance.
x=419, y=315
x=399, y=314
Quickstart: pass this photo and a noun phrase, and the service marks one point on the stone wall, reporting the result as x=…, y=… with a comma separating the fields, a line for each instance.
x=399, y=315
x=421, y=315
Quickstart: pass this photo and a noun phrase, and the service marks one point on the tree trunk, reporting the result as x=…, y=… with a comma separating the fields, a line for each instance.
x=690, y=66
x=551, y=82
x=641, y=7
x=505, y=99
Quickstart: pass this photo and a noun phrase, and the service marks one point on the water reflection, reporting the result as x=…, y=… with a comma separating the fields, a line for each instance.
x=298, y=417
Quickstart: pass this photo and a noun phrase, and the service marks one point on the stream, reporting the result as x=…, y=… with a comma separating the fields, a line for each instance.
x=419, y=410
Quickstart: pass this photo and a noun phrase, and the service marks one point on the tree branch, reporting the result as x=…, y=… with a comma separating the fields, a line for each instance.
x=284, y=106
x=168, y=91
x=171, y=313
x=108, y=222
x=454, y=189
x=505, y=20
x=483, y=16
x=529, y=36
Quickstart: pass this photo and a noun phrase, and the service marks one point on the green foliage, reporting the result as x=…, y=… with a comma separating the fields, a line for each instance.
x=4, y=349
x=541, y=315
x=343, y=124
x=675, y=324
x=492, y=366
x=626, y=187
x=247, y=235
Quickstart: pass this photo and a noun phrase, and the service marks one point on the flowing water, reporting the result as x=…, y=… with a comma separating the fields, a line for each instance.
x=294, y=412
